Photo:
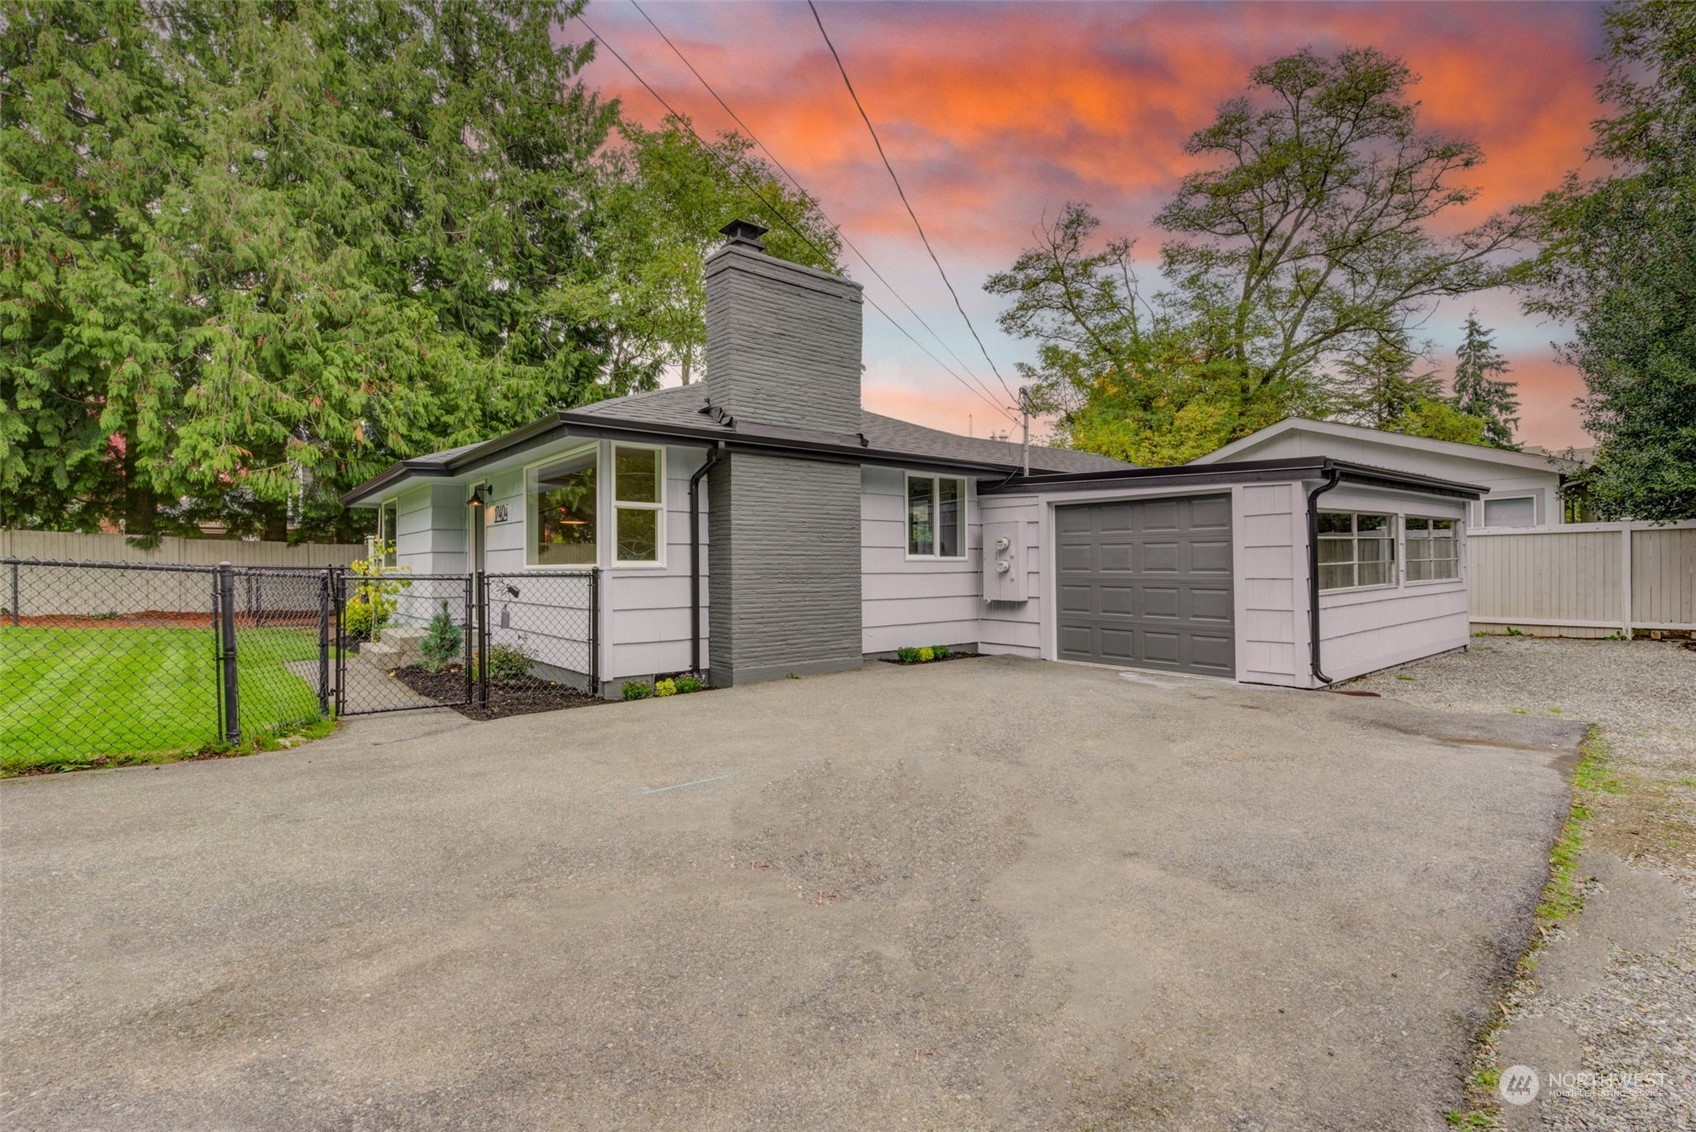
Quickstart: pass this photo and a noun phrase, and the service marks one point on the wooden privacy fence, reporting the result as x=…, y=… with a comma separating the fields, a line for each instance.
x=1584, y=579
x=151, y=591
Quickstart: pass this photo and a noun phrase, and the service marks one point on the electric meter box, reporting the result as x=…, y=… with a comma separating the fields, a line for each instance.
x=1003, y=570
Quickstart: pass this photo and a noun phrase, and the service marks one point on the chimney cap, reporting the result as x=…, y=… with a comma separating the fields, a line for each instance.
x=744, y=232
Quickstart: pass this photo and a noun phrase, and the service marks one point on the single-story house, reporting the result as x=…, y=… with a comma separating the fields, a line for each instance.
x=1524, y=487
x=761, y=523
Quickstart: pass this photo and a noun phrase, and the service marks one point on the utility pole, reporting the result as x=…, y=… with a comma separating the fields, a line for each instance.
x=1025, y=414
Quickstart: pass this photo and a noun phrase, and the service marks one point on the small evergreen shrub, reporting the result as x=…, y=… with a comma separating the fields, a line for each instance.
x=941, y=652
x=908, y=655
x=926, y=653
x=508, y=665
x=688, y=682
x=665, y=688
x=442, y=641
x=636, y=690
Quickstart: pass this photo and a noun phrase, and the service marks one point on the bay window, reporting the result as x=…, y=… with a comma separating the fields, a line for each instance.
x=936, y=517
x=604, y=494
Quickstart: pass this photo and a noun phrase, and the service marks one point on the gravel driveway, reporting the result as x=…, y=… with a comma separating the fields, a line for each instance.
x=987, y=894
x=1614, y=1000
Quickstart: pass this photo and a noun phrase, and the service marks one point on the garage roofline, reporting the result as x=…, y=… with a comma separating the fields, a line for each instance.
x=1244, y=471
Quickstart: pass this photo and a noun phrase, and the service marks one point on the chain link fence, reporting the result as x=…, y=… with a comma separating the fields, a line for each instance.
x=116, y=662
x=106, y=662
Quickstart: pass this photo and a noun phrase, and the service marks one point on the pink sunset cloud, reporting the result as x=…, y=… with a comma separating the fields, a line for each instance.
x=994, y=115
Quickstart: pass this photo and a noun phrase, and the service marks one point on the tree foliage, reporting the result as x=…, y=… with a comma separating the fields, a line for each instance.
x=667, y=197
x=252, y=253
x=1620, y=262
x=1305, y=245
x=1477, y=388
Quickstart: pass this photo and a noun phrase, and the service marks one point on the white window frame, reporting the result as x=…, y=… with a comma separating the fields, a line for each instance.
x=1409, y=535
x=1484, y=508
x=615, y=505
x=1392, y=525
x=935, y=508
x=532, y=524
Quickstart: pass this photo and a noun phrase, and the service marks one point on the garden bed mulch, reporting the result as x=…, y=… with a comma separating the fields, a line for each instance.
x=505, y=697
x=932, y=660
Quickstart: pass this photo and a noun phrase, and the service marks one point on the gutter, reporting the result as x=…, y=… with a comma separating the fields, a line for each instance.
x=1333, y=476
x=711, y=462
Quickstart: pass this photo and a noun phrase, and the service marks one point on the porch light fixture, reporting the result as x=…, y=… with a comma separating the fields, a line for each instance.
x=477, y=499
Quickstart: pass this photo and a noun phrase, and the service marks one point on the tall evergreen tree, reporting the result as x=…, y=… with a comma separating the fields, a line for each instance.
x=1478, y=391
x=1384, y=383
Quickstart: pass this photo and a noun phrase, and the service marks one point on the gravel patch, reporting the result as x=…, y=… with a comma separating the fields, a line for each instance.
x=1634, y=1018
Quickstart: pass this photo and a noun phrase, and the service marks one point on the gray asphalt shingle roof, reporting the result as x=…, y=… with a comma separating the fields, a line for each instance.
x=682, y=406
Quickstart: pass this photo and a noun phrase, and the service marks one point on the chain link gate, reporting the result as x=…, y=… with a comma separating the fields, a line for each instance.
x=404, y=641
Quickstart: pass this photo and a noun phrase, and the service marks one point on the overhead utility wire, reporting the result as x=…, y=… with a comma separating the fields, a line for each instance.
x=866, y=118
x=777, y=212
x=796, y=181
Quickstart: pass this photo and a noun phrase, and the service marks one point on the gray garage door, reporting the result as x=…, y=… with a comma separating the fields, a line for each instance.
x=1147, y=583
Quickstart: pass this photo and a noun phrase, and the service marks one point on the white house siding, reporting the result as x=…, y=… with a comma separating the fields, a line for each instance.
x=1015, y=627
x=1504, y=481
x=1365, y=630
x=913, y=602
x=644, y=609
x=1269, y=557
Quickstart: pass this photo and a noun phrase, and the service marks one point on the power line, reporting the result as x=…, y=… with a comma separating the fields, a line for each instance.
x=796, y=181
x=777, y=212
x=866, y=118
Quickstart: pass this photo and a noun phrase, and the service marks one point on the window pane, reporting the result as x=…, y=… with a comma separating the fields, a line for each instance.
x=1442, y=524
x=1372, y=522
x=1336, y=550
x=920, y=537
x=565, y=514
x=1418, y=570
x=638, y=534
x=1374, y=574
x=1375, y=549
x=1443, y=546
x=1336, y=577
x=1418, y=549
x=950, y=518
x=1335, y=522
x=1418, y=524
x=1510, y=513
x=637, y=474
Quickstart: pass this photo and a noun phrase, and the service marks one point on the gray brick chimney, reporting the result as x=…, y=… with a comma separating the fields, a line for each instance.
x=783, y=533
x=783, y=340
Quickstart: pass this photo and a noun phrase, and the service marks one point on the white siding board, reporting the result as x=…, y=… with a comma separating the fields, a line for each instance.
x=920, y=601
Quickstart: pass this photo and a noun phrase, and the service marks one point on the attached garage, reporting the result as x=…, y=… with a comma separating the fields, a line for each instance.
x=1146, y=583
x=1213, y=570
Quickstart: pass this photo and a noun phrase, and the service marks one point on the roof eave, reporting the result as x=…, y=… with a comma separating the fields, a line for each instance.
x=1243, y=471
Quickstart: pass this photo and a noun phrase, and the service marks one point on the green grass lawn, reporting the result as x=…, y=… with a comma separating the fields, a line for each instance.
x=76, y=697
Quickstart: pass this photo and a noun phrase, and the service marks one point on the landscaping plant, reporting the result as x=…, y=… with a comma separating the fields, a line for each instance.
x=665, y=688
x=508, y=665
x=442, y=642
x=636, y=690
x=689, y=682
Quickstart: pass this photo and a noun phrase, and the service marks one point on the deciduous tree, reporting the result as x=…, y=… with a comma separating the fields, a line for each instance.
x=1620, y=262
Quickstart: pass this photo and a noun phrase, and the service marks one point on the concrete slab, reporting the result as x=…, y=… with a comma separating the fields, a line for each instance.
x=988, y=894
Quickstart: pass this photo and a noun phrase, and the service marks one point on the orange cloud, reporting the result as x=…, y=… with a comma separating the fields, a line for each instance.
x=996, y=114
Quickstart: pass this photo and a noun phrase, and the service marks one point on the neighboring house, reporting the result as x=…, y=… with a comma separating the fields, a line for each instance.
x=1524, y=487
x=762, y=524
